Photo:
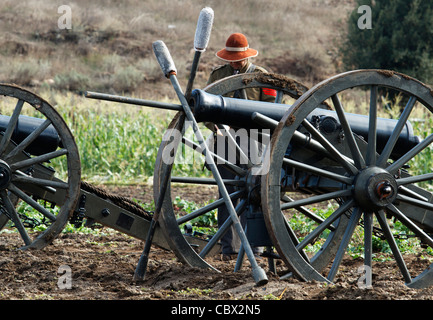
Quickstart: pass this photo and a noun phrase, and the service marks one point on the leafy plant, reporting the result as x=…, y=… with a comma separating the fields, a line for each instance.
x=206, y=223
x=400, y=38
x=194, y=291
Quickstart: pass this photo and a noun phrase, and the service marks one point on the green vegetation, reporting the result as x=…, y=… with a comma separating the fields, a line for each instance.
x=194, y=291
x=205, y=224
x=424, y=163
x=116, y=147
x=118, y=143
x=400, y=39
x=404, y=237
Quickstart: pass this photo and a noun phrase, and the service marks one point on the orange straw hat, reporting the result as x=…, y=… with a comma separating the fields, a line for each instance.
x=237, y=49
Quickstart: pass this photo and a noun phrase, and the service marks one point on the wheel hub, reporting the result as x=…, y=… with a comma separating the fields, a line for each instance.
x=5, y=175
x=375, y=188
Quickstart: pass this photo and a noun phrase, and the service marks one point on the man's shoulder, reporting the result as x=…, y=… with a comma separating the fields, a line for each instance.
x=260, y=69
x=219, y=72
x=220, y=68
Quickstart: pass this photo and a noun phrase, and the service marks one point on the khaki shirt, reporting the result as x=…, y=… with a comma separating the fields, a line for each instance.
x=257, y=94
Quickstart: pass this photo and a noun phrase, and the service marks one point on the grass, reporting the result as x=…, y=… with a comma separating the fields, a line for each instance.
x=109, y=46
x=118, y=143
x=115, y=146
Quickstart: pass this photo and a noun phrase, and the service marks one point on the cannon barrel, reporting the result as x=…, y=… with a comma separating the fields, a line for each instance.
x=47, y=141
x=238, y=114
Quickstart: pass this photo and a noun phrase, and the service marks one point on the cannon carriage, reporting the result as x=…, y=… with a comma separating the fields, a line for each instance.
x=306, y=162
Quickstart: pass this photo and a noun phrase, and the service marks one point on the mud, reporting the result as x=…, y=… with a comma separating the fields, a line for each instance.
x=101, y=267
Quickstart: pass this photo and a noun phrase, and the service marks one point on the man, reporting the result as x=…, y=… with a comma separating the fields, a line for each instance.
x=236, y=54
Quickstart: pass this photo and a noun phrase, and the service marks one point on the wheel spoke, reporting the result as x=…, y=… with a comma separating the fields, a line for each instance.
x=38, y=159
x=14, y=217
x=386, y=153
x=414, y=179
x=318, y=171
x=326, y=223
x=334, y=153
x=40, y=182
x=209, y=207
x=316, y=199
x=234, y=146
x=412, y=226
x=221, y=161
x=31, y=202
x=28, y=140
x=279, y=97
x=306, y=212
x=410, y=154
x=11, y=126
x=354, y=218
x=241, y=94
x=372, y=128
x=223, y=229
x=415, y=202
x=380, y=216
x=413, y=194
x=192, y=180
x=295, y=240
x=356, y=154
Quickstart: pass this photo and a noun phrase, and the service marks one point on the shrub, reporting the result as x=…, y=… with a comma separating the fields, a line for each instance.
x=127, y=79
x=401, y=38
x=71, y=80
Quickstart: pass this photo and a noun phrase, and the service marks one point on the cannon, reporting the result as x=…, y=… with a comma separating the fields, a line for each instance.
x=359, y=174
x=239, y=113
x=303, y=160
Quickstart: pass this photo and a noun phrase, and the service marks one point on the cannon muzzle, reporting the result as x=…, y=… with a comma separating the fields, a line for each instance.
x=238, y=113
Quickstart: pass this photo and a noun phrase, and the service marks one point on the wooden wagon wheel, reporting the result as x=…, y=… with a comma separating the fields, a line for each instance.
x=32, y=153
x=187, y=248
x=383, y=188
